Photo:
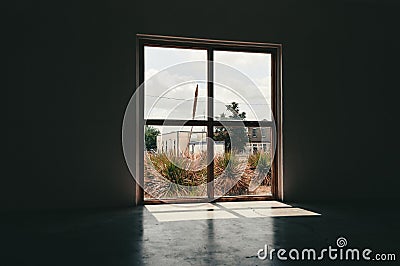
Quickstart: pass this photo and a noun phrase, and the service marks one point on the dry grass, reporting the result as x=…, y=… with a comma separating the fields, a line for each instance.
x=174, y=177
x=228, y=170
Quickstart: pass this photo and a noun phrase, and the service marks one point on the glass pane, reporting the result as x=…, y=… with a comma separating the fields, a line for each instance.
x=242, y=167
x=172, y=77
x=242, y=79
x=175, y=162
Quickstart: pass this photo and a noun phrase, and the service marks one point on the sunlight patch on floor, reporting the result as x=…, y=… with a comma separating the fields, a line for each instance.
x=279, y=212
x=252, y=204
x=194, y=215
x=224, y=210
x=181, y=207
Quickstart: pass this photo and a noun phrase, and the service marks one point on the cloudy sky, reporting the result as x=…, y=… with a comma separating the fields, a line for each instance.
x=172, y=74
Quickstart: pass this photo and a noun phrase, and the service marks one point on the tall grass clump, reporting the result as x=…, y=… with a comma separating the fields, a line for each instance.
x=228, y=170
x=172, y=176
x=261, y=163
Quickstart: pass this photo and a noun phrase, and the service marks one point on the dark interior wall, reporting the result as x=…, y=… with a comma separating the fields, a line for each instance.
x=71, y=72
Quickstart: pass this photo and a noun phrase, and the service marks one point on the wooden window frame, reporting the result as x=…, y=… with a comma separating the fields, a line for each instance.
x=209, y=45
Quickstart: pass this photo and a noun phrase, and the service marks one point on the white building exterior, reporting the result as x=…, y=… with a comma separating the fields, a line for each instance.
x=177, y=143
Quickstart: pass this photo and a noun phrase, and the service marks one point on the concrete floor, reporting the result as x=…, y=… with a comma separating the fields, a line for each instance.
x=135, y=236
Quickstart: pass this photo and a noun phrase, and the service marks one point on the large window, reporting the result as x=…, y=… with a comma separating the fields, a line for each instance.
x=210, y=119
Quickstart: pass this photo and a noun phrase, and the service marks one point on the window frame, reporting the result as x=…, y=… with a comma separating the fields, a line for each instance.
x=210, y=46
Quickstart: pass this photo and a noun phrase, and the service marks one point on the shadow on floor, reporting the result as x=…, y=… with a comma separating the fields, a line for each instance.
x=135, y=237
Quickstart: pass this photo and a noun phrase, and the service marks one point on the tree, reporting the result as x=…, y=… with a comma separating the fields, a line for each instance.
x=150, y=137
x=234, y=137
x=234, y=109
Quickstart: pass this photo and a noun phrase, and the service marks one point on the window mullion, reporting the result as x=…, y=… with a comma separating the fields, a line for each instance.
x=210, y=126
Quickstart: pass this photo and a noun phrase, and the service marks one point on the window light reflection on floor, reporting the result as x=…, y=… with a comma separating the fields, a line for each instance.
x=225, y=210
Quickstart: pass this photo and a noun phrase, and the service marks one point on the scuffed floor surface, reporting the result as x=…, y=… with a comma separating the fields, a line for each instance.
x=136, y=236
